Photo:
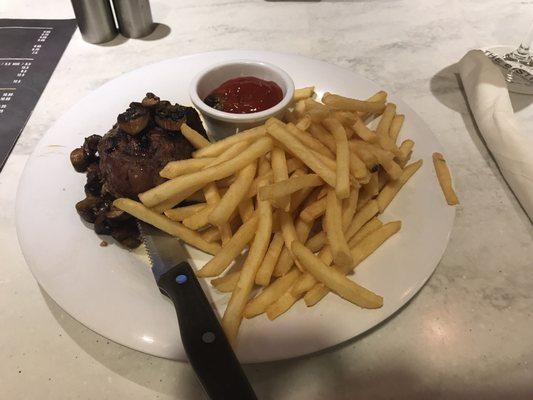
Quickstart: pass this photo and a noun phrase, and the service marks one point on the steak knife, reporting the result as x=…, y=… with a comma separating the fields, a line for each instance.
x=205, y=343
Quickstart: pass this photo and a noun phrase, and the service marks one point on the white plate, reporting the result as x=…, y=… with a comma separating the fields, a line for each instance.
x=112, y=291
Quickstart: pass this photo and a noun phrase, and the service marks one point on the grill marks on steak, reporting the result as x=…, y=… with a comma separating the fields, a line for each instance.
x=127, y=161
x=130, y=165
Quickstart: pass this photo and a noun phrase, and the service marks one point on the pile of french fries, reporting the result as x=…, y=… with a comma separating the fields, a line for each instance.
x=303, y=195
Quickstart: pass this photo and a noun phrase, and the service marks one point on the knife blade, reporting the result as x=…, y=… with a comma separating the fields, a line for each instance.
x=204, y=341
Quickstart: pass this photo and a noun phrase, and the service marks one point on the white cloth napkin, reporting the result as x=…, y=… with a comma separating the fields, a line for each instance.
x=489, y=101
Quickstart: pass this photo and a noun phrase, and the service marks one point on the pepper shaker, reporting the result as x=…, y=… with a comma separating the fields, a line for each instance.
x=134, y=17
x=95, y=20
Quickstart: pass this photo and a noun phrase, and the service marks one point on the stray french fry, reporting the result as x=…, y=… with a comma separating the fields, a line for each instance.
x=296, y=147
x=168, y=189
x=345, y=103
x=226, y=283
x=334, y=233
x=233, y=196
x=230, y=250
x=393, y=187
x=445, y=179
x=217, y=148
x=264, y=273
x=269, y=295
x=335, y=280
x=239, y=297
x=180, y=213
x=342, y=184
x=173, y=228
x=303, y=93
x=194, y=138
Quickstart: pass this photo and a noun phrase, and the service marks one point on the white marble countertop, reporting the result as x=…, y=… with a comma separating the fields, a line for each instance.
x=466, y=335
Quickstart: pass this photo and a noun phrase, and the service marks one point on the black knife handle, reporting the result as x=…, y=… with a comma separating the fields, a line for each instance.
x=205, y=343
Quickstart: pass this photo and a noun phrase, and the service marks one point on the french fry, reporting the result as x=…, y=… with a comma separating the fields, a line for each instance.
x=386, y=120
x=390, y=190
x=264, y=273
x=316, y=242
x=168, y=189
x=303, y=93
x=344, y=103
x=364, y=198
x=349, y=206
x=211, y=234
x=342, y=183
x=217, y=148
x=317, y=114
x=364, y=132
x=287, y=228
x=239, y=297
x=270, y=294
x=299, y=197
x=226, y=283
x=334, y=233
x=289, y=186
x=445, y=179
x=228, y=154
x=180, y=213
x=233, y=196
x=372, y=187
x=365, y=214
x=310, y=141
x=193, y=137
x=296, y=147
x=281, y=305
x=304, y=123
x=212, y=197
x=323, y=136
x=335, y=280
x=286, y=260
x=174, y=169
x=280, y=173
x=299, y=108
x=139, y=211
x=373, y=225
x=199, y=219
x=177, y=198
x=379, y=97
x=231, y=250
x=360, y=252
x=246, y=209
x=405, y=149
x=314, y=210
x=396, y=126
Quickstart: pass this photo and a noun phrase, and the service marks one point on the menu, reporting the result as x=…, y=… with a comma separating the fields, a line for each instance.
x=29, y=53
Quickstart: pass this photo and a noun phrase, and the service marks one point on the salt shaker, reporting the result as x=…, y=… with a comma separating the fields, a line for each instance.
x=134, y=17
x=95, y=20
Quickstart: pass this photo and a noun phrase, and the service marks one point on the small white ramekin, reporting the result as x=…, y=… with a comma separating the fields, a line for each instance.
x=221, y=124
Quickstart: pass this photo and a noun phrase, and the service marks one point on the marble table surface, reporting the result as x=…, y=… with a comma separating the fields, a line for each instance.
x=466, y=335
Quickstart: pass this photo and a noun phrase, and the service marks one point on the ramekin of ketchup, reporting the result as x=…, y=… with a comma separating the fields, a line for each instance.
x=238, y=95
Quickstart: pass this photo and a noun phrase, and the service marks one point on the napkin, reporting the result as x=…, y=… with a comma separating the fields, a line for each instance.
x=489, y=101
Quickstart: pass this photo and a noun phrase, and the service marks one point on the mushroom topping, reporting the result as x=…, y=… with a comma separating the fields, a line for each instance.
x=134, y=119
x=79, y=159
x=150, y=100
x=170, y=117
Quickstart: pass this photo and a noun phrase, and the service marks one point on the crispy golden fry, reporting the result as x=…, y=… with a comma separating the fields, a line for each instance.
x=177, y=198
x=285, y=260
x=287, y=228
x=369, y=158
x=173, y=228
x=212, y=197
x=194, y=138
x=335, y=280
x=372, y=187
x=304, y=123
x=303, y=93
x=234, y=311
x=342, y=184
x=386, y=120
x=264, y=273
x=323, y=136
x=170, y=188
x=229, y=153
x=349, y=206
x=364, y=132
x=289, y=186
x=379, y=97
x=198, y=220
x=292, y=165
x=231, y=250
x=314, y=210
x=396, y=126
x=182, y=167
x=360, y=251
x=367, y=212
x=299, y=108
x=217, y=148
x=229, y=202
x=180, y=213
x=317, y=114
x=246, y=209
x=281, y=305
x=280, y=173
x=310, y=141
x=373, y=225
x=211, y=234
x=375, y=154
x=313, y=104
x=284, y=264
x=445, y=179
x=270, y=294
x=334, y=233
x=344, y=103
x=316, y=242
x=405, y=149
x=346, y=118
x=393, y=187
x=300, y=197
x=226, y=283
x=281, y=134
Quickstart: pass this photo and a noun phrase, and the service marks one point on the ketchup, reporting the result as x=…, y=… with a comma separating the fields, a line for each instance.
x=245, y=95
